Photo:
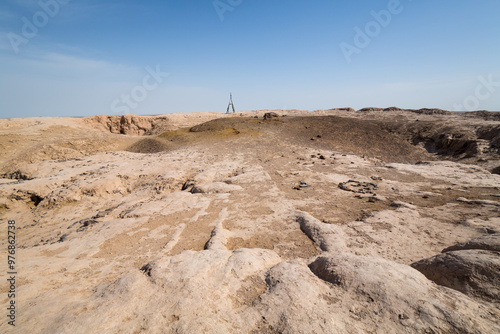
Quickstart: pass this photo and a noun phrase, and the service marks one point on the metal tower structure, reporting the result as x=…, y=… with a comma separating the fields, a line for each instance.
x=230, y=105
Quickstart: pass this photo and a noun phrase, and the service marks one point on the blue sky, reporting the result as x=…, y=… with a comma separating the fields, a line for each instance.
x=78, y=58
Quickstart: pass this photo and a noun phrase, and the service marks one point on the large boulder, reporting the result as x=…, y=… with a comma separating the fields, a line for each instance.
x=474, y=272
x=345, y=293
x=488, y=242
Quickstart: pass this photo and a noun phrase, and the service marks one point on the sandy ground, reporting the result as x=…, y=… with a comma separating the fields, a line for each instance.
x=195, y=236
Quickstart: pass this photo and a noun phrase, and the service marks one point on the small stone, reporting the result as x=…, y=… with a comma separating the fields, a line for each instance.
x=303, y=184
x=270, y=115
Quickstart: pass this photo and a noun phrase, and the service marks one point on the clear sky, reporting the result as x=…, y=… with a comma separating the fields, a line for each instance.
x=89, y=57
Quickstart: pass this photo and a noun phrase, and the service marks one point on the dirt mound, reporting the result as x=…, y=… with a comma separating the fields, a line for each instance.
x=434, y=111
x=349, y=109
x=346, y=135
x=148, y=145
x=424, y=111
x=393, y=109
x=368, y=109
x=221, y=124
x=129, y=124
x=484, y=114
x=352, y=136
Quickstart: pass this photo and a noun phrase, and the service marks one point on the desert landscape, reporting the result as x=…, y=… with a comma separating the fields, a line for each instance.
x=271, y=221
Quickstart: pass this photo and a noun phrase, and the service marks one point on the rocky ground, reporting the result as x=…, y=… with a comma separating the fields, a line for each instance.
x=333, y=221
